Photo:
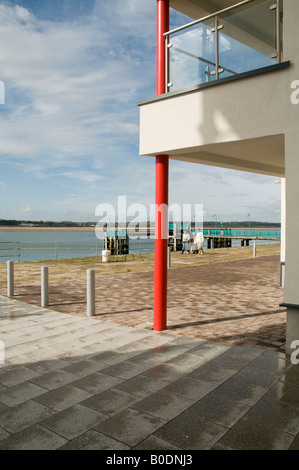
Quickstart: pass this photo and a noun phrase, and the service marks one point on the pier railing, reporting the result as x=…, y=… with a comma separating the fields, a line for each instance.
x=35, y=250
x=258, y=234
x=54, y=250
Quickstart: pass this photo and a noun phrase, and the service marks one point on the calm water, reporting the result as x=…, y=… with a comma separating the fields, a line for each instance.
x=30, y=246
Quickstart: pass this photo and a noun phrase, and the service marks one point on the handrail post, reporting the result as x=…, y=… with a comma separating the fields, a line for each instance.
x=278, y=30
x=166, y=63
x=216, y=48
x=18, y=251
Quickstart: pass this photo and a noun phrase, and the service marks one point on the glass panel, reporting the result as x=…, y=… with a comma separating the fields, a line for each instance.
x=192, y=56
x=248, y=39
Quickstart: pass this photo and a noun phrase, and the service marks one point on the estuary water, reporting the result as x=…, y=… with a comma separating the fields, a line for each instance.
x=30, y=245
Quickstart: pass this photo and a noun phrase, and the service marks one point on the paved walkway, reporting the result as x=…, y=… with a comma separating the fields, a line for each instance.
x=233, y=301
x=72, y=382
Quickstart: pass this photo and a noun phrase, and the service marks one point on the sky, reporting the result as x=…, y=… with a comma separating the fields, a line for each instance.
x=73, y=71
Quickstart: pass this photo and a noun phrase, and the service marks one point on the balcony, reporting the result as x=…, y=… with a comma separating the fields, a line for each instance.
x=227, y=100
x=238, y=39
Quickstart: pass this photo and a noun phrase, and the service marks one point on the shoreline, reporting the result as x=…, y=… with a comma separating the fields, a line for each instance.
x=6, y=228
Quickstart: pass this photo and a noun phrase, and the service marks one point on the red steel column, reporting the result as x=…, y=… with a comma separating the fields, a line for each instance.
x=162, y=27
x=162, y=170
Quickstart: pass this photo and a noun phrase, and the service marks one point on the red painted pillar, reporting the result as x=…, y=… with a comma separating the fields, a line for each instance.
x=162, y=170
x=162, y=27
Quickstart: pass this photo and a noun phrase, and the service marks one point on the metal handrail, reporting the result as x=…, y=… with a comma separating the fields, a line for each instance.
x=202, y=59
x=59, y=249
x=270, y=234
x=218, y=68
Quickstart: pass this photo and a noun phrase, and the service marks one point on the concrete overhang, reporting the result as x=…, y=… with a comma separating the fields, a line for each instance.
x=237, y=124
x=263, y=155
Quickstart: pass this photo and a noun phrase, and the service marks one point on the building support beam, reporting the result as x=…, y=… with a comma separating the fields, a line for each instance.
x=283, y=232
x=291, y=291
x=161, y=244
x=162, y=178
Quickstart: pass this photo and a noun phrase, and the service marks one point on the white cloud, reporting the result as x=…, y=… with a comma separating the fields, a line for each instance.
x=230, y=194
x=85, y=176
x=69, y=91
x=70, y=120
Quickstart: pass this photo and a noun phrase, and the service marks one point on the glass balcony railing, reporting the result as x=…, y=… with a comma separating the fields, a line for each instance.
x=238, y=39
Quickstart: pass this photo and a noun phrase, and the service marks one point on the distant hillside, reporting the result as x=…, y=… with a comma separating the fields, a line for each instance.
x=41, y=223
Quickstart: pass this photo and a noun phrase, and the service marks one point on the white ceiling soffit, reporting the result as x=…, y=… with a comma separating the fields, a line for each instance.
x=198, y=8
x=264, y=155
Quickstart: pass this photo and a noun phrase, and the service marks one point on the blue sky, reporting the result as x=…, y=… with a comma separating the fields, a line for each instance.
x=69, y=129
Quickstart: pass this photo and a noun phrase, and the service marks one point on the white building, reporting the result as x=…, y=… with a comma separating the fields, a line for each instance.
x=228, y=96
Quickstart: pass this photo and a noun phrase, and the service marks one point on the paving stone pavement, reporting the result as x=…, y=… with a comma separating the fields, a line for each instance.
x=233, y=301
x=71, y=382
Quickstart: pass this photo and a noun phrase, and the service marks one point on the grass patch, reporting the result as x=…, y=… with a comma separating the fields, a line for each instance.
x=64, y=270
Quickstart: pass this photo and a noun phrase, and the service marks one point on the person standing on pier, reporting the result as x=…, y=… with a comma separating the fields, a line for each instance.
x=199, y=240
x=186, y=242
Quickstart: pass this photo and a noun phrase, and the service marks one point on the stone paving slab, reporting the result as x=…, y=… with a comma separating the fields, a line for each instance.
x=126, y=388
x=236, y=302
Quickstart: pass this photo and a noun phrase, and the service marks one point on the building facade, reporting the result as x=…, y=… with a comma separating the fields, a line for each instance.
x=228, y=96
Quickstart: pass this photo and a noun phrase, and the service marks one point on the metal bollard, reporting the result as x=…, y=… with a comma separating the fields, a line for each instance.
x=44, y=287
x=254, y=249
x=90, y=291
x=10, y=278
x=169, y=257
